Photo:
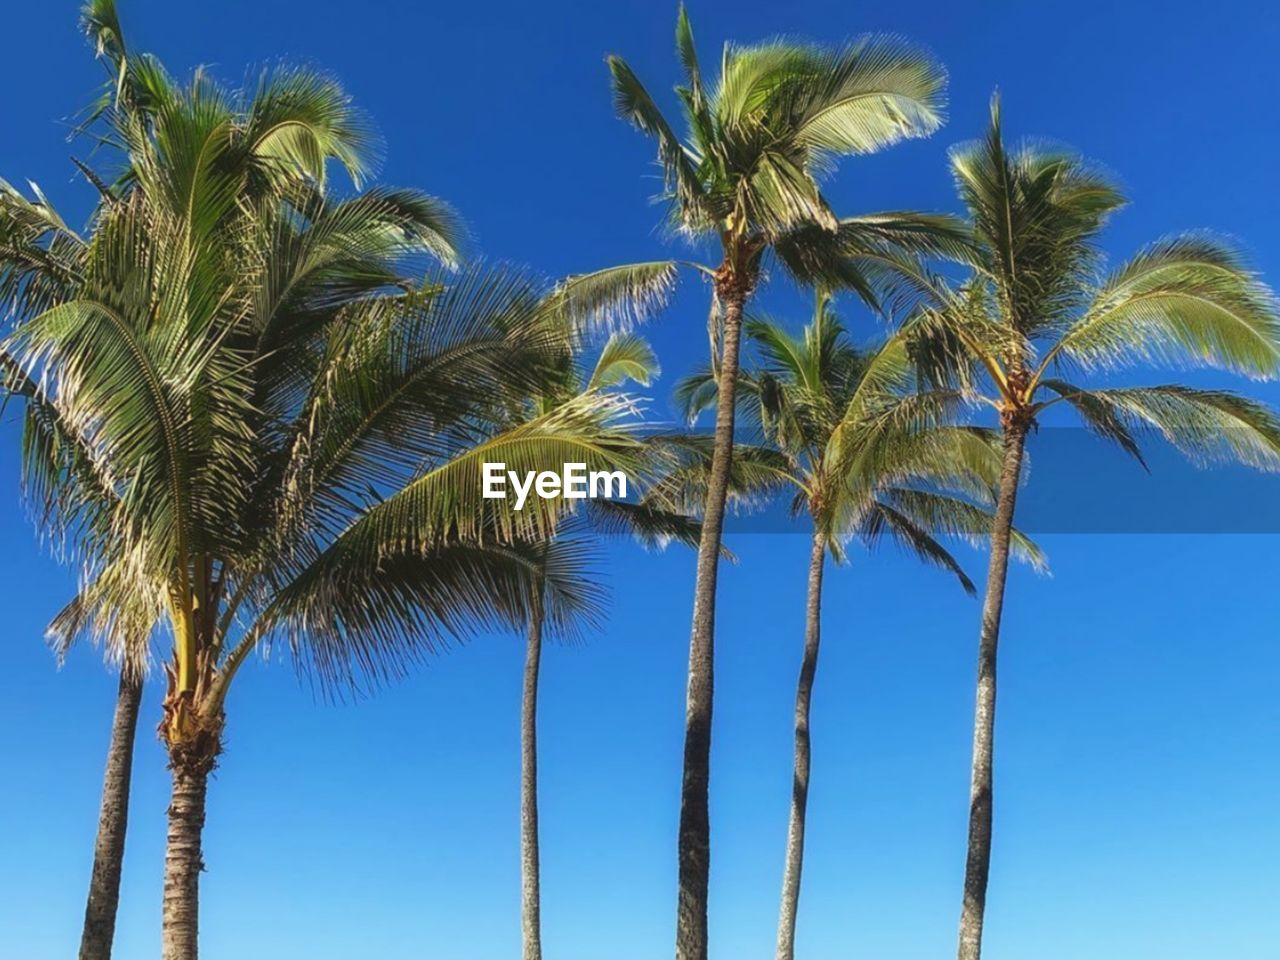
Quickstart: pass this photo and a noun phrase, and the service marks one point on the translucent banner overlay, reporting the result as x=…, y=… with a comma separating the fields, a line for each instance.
x=1073, y=482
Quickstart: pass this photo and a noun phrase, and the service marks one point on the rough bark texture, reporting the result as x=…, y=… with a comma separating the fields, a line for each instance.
x=530, y=896
x=800, y=778
x=978, y=862
x=183, y=861
x=695, y=826
x=113, y=819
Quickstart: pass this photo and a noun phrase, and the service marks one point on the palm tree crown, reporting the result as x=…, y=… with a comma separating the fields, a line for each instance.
x=866, y=451
x=1038, y=312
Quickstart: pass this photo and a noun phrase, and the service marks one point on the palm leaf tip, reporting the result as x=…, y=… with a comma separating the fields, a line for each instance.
x=870, y=94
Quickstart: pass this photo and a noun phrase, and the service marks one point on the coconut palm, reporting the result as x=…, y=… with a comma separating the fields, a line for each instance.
x=348, y=525
x=289, y=433
x=625, y=357
x=746, y=175
x=297, y=121
x=867, y=456
x=41, y=261
x=1036, y=315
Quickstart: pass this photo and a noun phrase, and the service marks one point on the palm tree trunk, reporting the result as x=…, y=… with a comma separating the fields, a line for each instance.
x=113, y=820
x=183, y=861
x=530, y=901
x=694, y=852
x=978, y=862
x=800, y=778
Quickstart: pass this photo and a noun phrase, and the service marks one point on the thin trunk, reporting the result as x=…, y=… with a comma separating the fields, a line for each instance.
x=695, y=827
x=978, y=862
x=530, y=901
x=800, y=778
x=183, y=861
x=113, y=819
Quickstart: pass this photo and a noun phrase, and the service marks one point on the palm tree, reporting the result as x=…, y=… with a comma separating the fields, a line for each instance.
x=867, y=456
x=301, y=120
x=38, y=267
x=285, y=433
x=40, y=261
x=747, y=175
x=567, y=553
x=1036, y=311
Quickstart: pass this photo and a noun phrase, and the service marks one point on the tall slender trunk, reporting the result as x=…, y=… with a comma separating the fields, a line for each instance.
x=183, y=861
x=694, y=853
x=530, y=899
x=113, y=820
x=978, y=862
x=800, y=777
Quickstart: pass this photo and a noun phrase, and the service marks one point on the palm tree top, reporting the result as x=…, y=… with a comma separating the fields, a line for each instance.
x=867, y=454
x=1041, y=309
x=778, y=115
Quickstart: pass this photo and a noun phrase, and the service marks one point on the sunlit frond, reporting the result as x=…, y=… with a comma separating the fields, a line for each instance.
x=624, y=357
x=615, y=298
x=1208, y=426
x=302, y=119
x=1187, y=301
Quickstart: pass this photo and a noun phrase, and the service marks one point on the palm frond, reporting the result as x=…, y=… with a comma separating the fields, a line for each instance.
x=1189, y=300
x=866, y=96
x=1208, y=426
x=624, y=357
x=615, y=298
x=633, y=103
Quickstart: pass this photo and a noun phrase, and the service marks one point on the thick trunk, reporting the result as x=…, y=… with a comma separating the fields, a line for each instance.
x=530, y=899
x=695, y=827
x=800, y=778
x=113, y=819
x=183, y=861
x=978, y=862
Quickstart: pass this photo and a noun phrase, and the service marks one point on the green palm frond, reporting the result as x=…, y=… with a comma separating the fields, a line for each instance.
x=353, y=625
x=1036, y=214
x=1098, y=416
x=775, y=119
x=633, y=103
x=447, y=503
x=1187, y=301
x=40, y=256
x=961, y=519
x=866, y=96
x=301, y=119
x=624, y=357
x=756, y=475
x=688, y=54
x=573, y=596
x=119, y=609
x=878, y=257
x=648, y=523
x=1208, y=426
x=615, y=298
x=880, y=521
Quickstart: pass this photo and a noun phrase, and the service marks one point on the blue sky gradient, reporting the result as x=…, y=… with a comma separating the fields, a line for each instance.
x=1137, y=786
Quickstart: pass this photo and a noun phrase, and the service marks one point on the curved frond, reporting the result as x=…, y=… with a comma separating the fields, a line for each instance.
x=302, y=119
x=1188, y=300
x=949, y=516
x=867, y=96
x=633, y=102
x=1208, y=426
x=615, y=298
x=625, y=357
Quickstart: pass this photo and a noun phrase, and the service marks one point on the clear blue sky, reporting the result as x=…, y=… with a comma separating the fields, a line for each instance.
x=1136, y=771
